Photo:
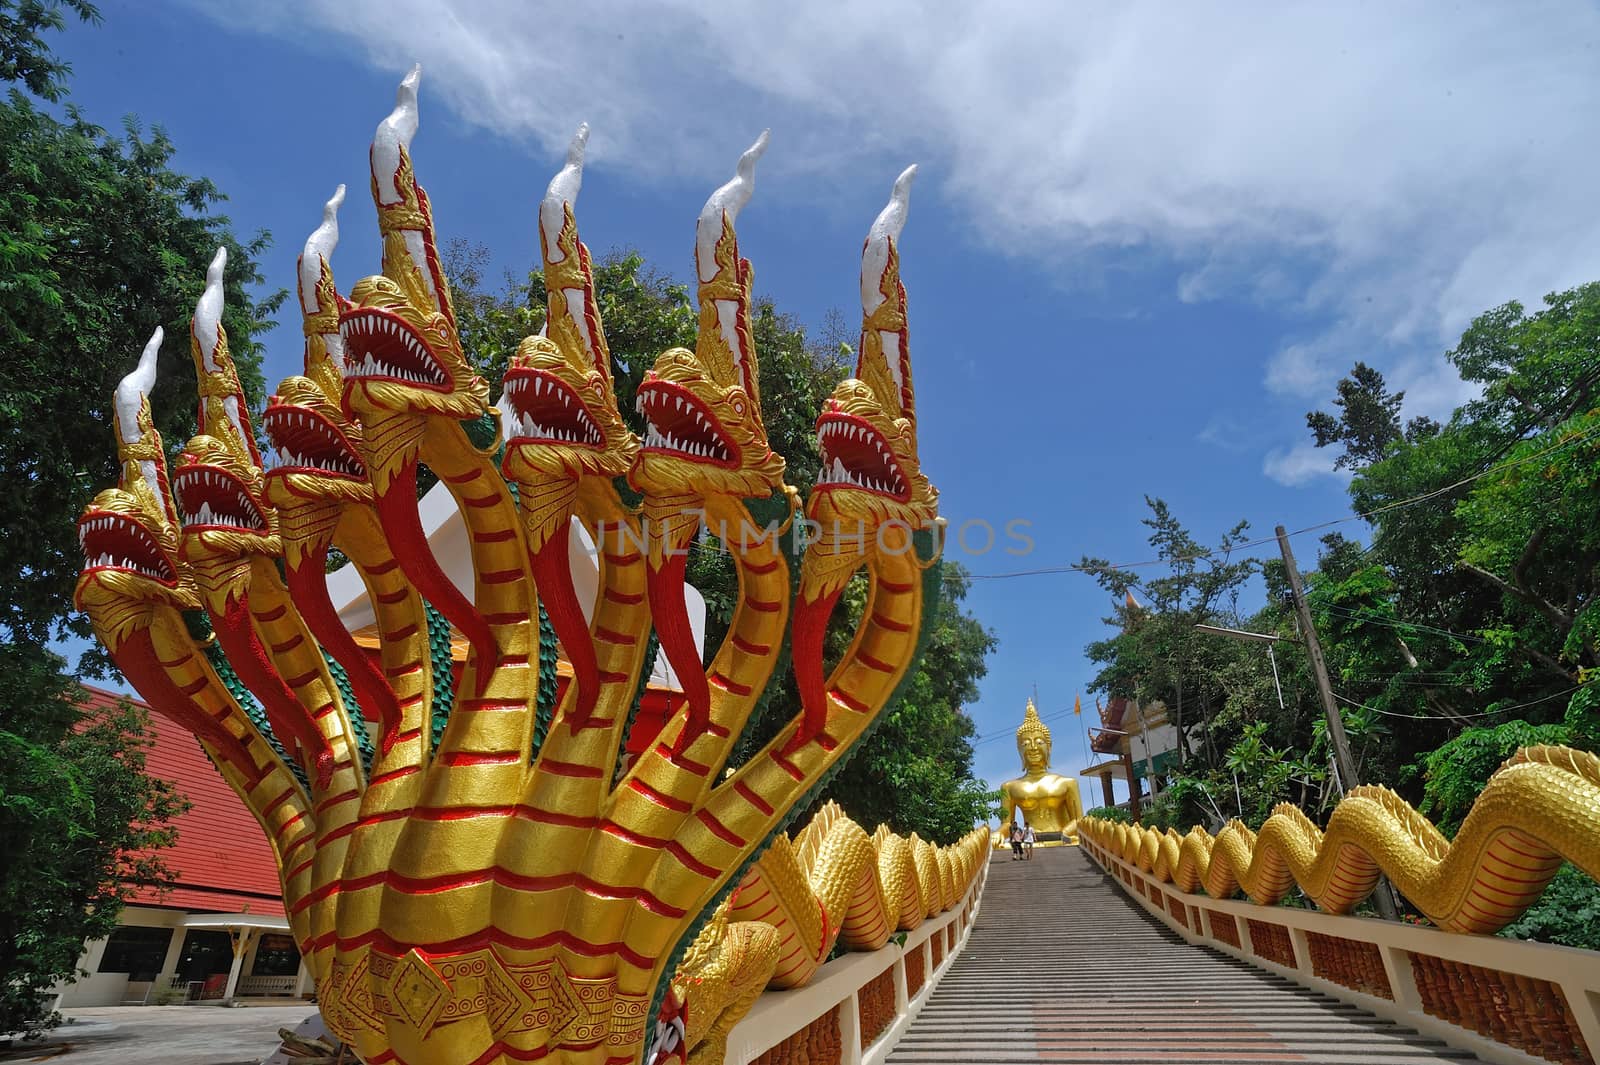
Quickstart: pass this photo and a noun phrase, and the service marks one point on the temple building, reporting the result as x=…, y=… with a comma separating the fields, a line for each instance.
x=1139, y=743
x=217, y=934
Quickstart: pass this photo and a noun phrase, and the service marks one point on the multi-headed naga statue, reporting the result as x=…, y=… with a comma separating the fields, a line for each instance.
x=467, y=881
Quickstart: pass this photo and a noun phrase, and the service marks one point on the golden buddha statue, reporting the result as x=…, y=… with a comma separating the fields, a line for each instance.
x=1049, y=803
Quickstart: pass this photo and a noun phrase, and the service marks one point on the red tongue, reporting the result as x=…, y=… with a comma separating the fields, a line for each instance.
x=397, y=510
x=139, y=664
x=309, y=587
x=289, y=720
x=670, y=615
x=552, y=576
x=805, y=641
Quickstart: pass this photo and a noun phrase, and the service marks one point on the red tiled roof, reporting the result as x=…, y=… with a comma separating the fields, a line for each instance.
x=221, y=860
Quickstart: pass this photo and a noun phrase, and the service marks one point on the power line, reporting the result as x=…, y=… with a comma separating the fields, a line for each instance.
x=1000, y=734
x=1439, y=717
x=1398, y=624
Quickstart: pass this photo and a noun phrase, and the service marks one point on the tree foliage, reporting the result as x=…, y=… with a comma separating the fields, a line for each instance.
x=80, y=822
x=24, y=54
x=100, y=242
x=915, y=772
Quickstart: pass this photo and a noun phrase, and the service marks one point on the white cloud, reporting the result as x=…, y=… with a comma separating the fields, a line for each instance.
x=1306, y=370
x=1385, y=170
x=1300, y=464
x=1228, y=433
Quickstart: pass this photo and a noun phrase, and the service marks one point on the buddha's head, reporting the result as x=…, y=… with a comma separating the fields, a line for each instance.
x=1033, y=740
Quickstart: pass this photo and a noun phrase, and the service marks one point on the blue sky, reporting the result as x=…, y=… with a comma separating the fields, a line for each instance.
x=1144, y=239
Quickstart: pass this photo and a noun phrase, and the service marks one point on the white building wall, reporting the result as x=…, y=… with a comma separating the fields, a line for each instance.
x=114, y=989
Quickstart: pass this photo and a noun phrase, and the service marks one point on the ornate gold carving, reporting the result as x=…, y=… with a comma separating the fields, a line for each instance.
x=503, y=890
x=1538, y=809
x=1048, y=802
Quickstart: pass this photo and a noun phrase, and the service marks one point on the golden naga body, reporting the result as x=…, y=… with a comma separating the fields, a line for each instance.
x=1048, y=802
x=1540, y=808
x=831, y=883
x=514, y=888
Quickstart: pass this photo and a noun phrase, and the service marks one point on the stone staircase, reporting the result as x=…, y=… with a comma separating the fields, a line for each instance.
x=1061, y=967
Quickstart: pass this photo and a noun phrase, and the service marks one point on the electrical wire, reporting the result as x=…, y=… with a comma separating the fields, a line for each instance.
x=1000, y=734
x=1398, y=624
x=1459, y=717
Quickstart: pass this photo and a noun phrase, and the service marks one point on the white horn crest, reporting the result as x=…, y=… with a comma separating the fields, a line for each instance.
x=135, y=388
x=394, y=133
x=318, y=250
x=726, y=202
x=132, y=392
x=885, y=229
x=207, y=327
x=563, y=190
x=208, y=311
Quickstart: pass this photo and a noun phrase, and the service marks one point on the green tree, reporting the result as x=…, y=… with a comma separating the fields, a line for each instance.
x=915, y=773
x=1157, y=653
x=1368, y=420
x=24, y=54
x=80, y=823
x=100, y=242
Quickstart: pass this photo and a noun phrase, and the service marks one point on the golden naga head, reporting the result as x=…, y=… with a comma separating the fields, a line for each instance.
x=129, y=534
x=1033, y=739
x=867, y=432
x=559, y=411
x=402, y=354
x=219, y=486
x=318, y=448
x=703, y=407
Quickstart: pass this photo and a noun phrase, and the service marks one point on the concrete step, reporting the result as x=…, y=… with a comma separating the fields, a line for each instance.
x=1062, y=967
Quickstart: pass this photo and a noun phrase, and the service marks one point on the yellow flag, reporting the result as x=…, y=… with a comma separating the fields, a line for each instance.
x=1077, y=704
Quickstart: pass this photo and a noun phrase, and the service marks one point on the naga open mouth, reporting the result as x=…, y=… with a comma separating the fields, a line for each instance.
x=211, y=497
x=668, y=1042
x=855, y=455
x=383, y=346
x=677, y=423
x=304, y=439
x=112, y=541
x=545, y=410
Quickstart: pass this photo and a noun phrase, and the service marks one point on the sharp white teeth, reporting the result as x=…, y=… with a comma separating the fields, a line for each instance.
x=839, y=472
x=680, y=403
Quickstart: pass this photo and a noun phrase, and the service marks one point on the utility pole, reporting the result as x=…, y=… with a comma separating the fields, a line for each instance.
x=1344, y=764
x=1341, y=744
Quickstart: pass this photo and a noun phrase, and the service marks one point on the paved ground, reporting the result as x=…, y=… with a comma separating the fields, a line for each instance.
x=165, y=1035
x=1062, y=967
